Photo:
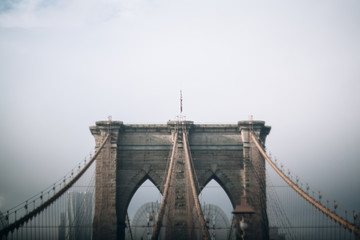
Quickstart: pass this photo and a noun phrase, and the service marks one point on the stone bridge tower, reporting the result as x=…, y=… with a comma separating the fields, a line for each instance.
x=180, y=158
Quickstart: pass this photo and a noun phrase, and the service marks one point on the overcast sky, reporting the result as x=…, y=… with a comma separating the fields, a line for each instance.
x=66, y=64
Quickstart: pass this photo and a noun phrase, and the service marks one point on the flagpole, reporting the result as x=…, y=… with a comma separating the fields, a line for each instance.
x=181, y=102
x=181, y=118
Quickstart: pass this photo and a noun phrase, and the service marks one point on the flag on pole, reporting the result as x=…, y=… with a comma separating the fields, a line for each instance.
x=180, y=101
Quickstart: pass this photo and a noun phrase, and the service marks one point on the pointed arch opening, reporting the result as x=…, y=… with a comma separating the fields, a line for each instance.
x=146, y=192
x=142, y=210
x=217, y=209
x=214, y=194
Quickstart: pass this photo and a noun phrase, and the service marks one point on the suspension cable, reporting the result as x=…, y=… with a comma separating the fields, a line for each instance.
x=205, y=231
x=161, y=212
x=48, y=202
x=303, y=194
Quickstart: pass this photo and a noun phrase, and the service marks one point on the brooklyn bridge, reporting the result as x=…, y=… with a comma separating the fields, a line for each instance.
x=179, y=159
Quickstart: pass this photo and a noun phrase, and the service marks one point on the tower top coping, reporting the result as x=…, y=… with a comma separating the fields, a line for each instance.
x=239, y=123
x=189, y=124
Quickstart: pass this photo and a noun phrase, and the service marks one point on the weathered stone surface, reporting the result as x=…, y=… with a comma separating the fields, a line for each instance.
x=140, y=152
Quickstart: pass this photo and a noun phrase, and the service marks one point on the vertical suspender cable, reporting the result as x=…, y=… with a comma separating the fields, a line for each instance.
x=332, y=215
x=50, y=200
x=128, y=222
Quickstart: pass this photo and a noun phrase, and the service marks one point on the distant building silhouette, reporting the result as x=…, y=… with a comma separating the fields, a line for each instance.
x=3, y=221
x=76, y=221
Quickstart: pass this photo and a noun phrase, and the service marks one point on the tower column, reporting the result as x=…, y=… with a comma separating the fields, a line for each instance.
x=105, y=224
x=253, y=173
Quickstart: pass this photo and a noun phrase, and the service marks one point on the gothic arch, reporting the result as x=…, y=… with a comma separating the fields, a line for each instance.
x=221, y=178
x=138, y=180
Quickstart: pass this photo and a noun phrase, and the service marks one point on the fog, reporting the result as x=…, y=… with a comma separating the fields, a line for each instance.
x=66, y=64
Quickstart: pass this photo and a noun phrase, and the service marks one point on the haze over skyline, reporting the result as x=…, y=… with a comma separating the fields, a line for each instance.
x=66, y=64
